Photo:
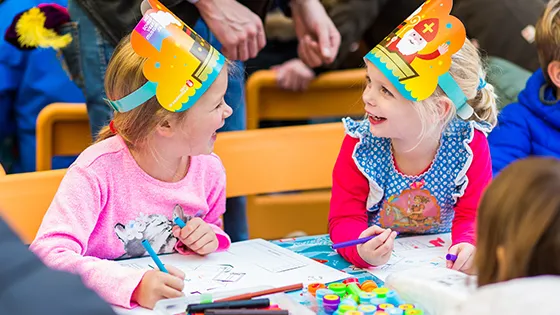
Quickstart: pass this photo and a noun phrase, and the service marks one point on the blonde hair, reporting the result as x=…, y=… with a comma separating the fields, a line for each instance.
x=520, y=212
x=124, y=76
x=547, y=36
x=467, y=69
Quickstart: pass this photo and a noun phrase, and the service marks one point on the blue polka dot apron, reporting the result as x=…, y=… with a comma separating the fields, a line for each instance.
x=421, y=204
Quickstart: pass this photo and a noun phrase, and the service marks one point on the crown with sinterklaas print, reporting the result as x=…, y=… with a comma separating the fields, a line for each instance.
x=416, y=56
x=180, y=65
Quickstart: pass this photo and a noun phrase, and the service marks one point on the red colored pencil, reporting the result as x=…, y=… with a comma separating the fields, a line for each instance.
x=247, y=296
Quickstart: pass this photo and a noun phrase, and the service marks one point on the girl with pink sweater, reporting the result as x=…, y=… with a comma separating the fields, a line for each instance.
x=153, y=163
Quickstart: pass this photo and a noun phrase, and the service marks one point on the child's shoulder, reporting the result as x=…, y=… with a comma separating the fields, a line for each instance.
x=469, y=135
x=468, y=129
x=208, y=167
x=211, y=162
x=104, y=153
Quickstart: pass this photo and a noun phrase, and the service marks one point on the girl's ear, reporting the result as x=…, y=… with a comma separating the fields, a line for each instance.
x=444, y=107
x=166, y=128
x=553, y=70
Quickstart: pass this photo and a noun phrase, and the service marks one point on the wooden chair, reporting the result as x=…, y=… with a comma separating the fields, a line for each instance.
x=62, y=129
x=273, y=160
x=24, y=199
x=257, y=161
x=332, y=94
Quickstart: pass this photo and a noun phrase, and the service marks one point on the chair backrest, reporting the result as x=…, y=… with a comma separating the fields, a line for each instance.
x=62, y=129
x=2, y=171
x=256, y=162
x=25, y=197
x=279, y=159
x=332, y=94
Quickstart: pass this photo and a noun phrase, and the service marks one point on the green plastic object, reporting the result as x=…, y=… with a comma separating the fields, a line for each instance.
x=354, y=289
x=206, y=298
x=338, y=288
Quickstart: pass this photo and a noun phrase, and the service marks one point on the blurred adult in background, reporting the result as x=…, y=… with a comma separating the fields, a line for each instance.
x=29, y=81
x=503, y=30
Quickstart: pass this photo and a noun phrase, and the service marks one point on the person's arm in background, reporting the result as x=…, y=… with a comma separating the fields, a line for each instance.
x=352, y=18
x=319, y=40
x=239, y=30
x=27, y=286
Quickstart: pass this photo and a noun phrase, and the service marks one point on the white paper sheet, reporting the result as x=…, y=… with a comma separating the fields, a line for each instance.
x=246, y=264
x=415, y=251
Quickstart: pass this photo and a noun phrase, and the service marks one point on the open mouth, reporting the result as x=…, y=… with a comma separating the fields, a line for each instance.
x=376, y=119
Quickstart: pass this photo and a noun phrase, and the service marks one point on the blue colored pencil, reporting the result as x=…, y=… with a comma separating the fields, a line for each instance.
x=154, y=256
x=179, y=222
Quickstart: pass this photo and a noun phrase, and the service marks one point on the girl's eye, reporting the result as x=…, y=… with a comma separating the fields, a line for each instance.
x=385, y=91
x=368, y=80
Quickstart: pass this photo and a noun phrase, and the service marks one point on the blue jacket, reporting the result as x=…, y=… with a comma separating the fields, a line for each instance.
x=29, y=80
x=529, y=127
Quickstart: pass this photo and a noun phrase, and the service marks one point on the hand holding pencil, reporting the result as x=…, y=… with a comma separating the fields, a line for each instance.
x=377, y=251
x=157, y=285
x=196, y=235
x=166, y=282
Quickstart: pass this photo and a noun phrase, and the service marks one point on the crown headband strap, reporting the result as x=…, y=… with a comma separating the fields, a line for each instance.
x=134, y=99
x=456, y=95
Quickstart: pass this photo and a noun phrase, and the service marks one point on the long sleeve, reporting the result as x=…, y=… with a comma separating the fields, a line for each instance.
x=510, y=140
x=347, y=216
x=217, y=204
x=27, y=286
x=62, y=240
x=479, y=176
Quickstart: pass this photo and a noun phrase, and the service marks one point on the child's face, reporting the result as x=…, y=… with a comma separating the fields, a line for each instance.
x=205, y=118
x=389, y=113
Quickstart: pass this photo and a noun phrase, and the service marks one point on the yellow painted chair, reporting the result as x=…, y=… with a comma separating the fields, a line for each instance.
x=62, y=130
x=273, y=160
x=331, y=94
x=25, y=197
x=256, y=161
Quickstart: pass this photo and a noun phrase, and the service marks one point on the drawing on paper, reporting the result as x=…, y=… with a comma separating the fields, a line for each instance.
x=209, y=277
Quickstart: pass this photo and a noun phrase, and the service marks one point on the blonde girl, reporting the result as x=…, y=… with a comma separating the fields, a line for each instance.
x=152, y=164
x=420, y=160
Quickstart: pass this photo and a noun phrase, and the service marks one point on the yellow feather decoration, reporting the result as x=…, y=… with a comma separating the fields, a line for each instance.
x=32, y=32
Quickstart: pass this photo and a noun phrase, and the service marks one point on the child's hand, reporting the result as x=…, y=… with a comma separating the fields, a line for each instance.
x=198, y=236
x=377, y=251
x=465, y=257
x=157, y=285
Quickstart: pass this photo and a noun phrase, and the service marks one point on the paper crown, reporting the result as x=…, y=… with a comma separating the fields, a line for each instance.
x=180, y=65
x=416, y=56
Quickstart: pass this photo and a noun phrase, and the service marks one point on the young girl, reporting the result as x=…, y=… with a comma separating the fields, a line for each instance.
x=152, y=164
x=518, y=239
x=411, y=166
